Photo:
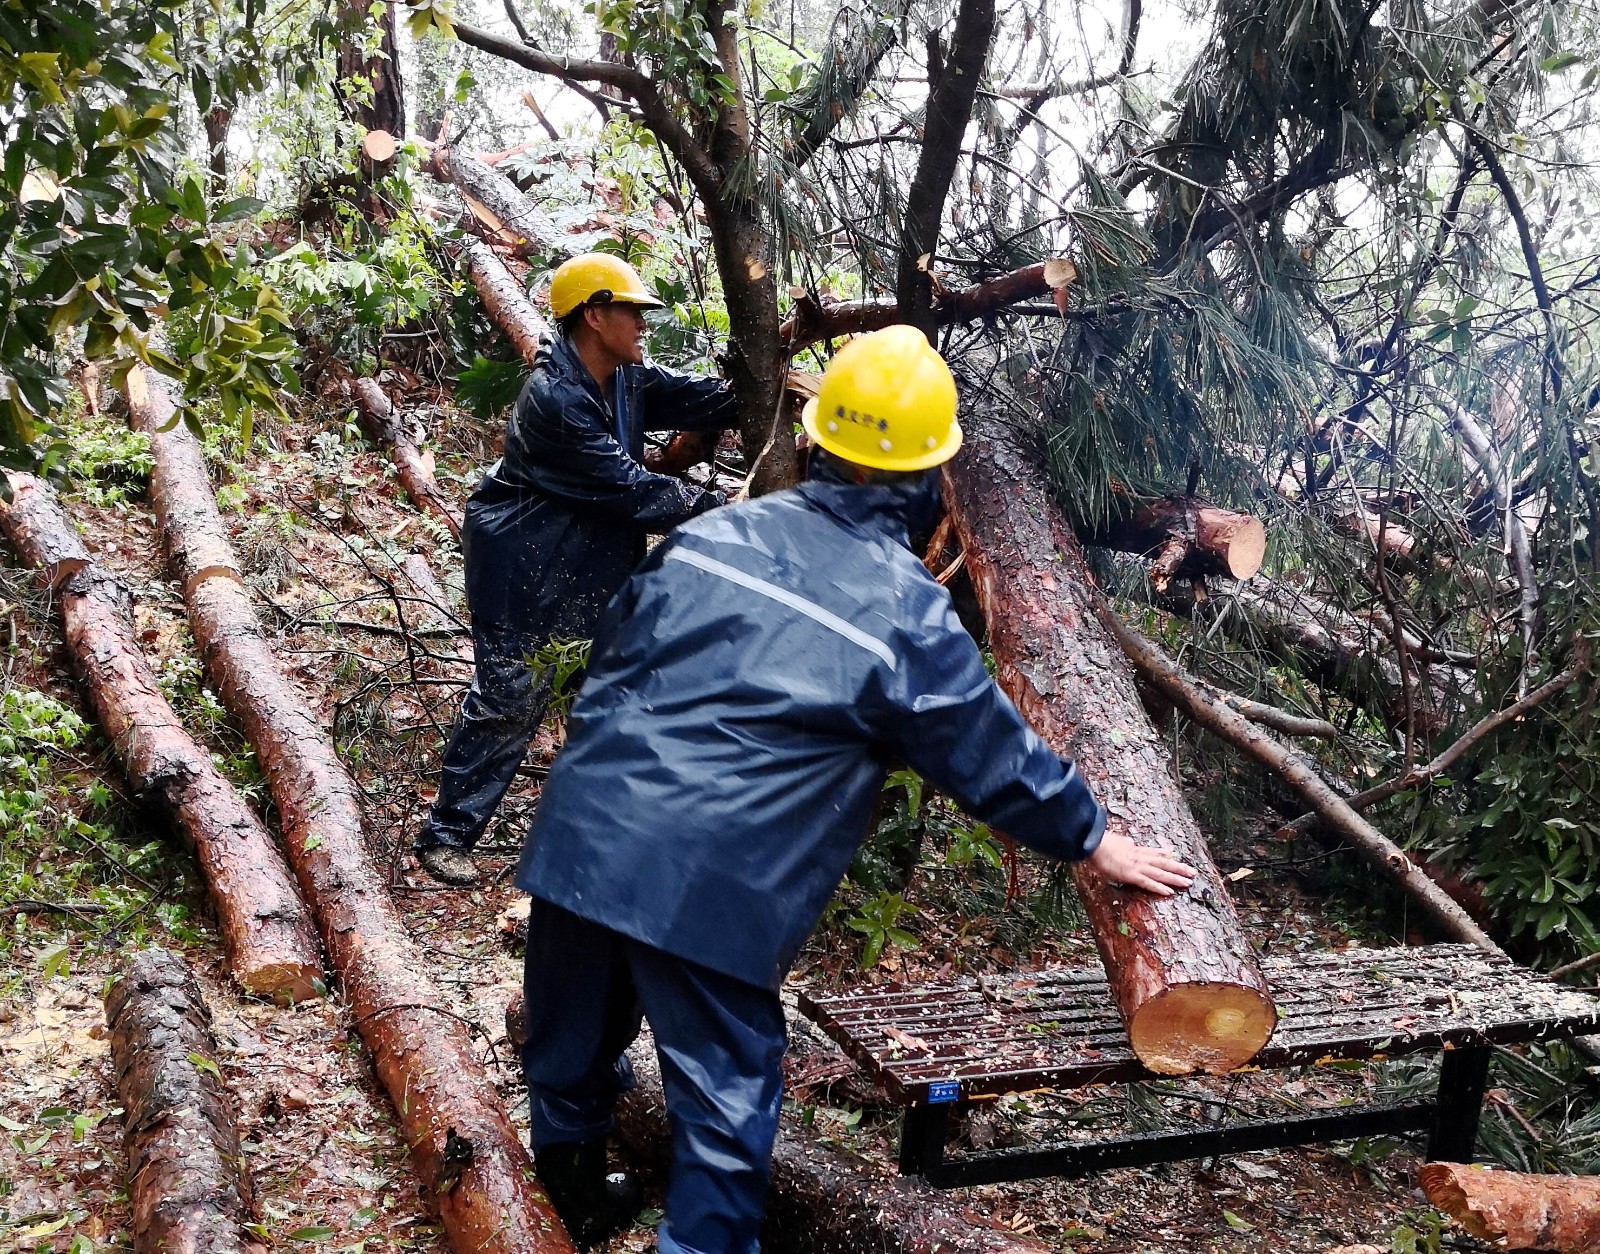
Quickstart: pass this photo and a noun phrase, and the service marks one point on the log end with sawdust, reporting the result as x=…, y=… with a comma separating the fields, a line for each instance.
x=187, y=1185
x=1187, y=538
x=1185, y=977
x=1518, y=1211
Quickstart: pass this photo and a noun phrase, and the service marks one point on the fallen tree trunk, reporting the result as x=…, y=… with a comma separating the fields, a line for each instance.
x=463, y=1146
x=1518, y=1211
x=1188, y=538
x=384, y=428
x=504, y=215
x=1184, y=976
x=1334, y=811
x=505, y=300
x=188, y=1190
x=822, y=1200
x=1337, y=650
x=267, y=935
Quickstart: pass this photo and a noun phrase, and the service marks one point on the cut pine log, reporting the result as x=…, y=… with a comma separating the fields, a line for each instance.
x=503, y=214
x=463, y=1146
x=383, y=427
x=822, y=1200
x=1187, y=538
x=188, y=1189
x=1185, y=977
x=267, y=934
x=811, y=322
x=505, y=300
x=1517, y=1211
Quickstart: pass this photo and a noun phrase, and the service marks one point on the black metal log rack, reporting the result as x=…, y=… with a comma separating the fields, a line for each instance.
x=936, y=1048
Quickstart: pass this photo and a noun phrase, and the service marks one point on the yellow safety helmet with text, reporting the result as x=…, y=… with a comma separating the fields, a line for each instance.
x=887, y=401
x=599, y=278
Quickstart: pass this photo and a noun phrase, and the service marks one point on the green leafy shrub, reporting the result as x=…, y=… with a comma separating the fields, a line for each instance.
x=1522, y=817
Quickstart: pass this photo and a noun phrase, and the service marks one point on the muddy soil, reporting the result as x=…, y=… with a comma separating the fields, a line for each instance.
x=324, y=532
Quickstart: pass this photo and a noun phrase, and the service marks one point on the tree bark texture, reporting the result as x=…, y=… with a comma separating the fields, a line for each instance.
x=505, y=300
x=1517, y=1211
x=386, y=110
x=503, y=214
x=463, y=1146
x=267, y=934
x=1333, y=809
x=952, y=88
x=188, y=1189
x=756, y=359
x=1188, y=538
x=1184, y=975
x=381, y=422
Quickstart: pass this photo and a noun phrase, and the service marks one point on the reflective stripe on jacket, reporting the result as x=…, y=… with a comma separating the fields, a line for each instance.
x=750, y=688
x=560, y=520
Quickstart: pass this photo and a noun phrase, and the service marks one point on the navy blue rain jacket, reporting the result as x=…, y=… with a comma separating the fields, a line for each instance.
x=560, y=520
x=749, y=689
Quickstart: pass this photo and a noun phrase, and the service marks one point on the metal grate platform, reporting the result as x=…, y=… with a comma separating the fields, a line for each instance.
x=931, y=1046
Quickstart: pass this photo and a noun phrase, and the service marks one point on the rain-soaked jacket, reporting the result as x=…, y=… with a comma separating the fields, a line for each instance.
x=749, y=688
x=558, y=522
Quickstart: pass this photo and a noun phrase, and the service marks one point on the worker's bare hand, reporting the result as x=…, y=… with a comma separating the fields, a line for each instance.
x=1156, y=871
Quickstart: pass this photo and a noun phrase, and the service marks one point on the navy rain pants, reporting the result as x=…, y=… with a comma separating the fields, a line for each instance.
x=720, y=1042
x=500, y=714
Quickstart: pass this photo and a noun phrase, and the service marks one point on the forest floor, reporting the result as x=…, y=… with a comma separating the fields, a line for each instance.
x=88, y=873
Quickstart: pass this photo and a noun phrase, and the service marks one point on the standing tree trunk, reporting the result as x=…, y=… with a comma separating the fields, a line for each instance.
x=1184, y=975
x=756, y=358
x=266, y=930
x=467, y=1154
x=218, y=120
x=953, y=87
x=385, y=111
x=188, y=1190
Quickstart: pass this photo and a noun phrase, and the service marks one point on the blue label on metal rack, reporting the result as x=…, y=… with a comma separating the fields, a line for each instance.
x=944, y=1091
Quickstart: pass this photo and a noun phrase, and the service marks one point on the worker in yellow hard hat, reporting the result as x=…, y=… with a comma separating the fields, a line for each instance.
x=556, y=525
x=749, y=689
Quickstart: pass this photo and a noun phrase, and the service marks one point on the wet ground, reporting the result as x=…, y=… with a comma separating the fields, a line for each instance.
x=324, y=532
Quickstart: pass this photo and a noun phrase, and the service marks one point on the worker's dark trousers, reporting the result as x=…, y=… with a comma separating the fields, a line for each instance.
x=720, y=1042
x=499, y=716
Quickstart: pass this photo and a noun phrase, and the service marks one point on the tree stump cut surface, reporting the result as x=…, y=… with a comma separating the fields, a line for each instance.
x=1059, y=1028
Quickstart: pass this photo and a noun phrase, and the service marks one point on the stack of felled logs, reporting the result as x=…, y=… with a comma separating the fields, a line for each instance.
x=468, y=1156
x=267, y=936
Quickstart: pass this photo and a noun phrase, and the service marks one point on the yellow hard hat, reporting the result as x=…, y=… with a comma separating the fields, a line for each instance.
x=887, y=401
x=597, y=277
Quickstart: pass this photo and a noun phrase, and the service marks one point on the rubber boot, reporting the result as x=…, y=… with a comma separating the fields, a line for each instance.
x=447, y=864
x=593, y=1203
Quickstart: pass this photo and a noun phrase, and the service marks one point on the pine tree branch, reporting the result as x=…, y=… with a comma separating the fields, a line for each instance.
x=1432, y=770
x=824, y=119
